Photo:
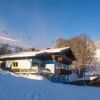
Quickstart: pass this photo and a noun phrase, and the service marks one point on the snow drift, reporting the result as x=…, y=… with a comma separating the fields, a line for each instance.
x=13, y=87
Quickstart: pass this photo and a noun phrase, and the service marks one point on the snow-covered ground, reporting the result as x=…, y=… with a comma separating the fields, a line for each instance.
x=13, y=87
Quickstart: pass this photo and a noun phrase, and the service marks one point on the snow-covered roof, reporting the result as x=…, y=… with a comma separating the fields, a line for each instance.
x=34, y=53
x=54, y=50
x=20, y=54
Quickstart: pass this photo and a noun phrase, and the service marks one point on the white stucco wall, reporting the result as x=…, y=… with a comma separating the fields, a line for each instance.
x=8, y=64
x=23, y=63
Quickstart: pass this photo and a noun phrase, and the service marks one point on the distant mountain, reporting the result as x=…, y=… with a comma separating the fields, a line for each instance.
x=97, y=44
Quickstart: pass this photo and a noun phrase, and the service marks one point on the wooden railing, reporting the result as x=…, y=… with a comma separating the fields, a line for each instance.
x=60, y=71
x=24, y=71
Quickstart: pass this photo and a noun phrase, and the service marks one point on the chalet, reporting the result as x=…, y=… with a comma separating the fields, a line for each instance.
x=53, y=63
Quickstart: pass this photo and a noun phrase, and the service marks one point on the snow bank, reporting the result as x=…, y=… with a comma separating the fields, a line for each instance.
x=13, y=87
x=35, y=76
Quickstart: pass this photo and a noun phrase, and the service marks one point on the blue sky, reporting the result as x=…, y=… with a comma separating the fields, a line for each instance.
x=39, y=22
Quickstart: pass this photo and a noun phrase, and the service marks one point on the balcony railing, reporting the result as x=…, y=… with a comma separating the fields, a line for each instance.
x=63, y=71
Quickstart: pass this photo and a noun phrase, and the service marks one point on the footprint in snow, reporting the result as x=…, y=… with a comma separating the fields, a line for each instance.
x=36, y=96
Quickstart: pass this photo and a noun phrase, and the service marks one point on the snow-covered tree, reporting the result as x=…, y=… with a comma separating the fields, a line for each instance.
x=83, y=49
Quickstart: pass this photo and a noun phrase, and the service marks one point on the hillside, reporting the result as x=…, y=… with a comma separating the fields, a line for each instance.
x=97, y=53
x=97, y=44
x=13, y=87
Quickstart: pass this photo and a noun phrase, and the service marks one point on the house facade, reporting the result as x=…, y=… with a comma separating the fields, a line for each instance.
x=52, y=63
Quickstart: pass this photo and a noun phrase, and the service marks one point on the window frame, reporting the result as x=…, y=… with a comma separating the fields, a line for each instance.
x=15, y=64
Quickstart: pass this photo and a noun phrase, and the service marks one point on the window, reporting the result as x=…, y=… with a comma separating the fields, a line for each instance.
x=15, y=64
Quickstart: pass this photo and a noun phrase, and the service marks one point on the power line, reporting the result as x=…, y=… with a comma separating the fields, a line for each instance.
x=13, y=41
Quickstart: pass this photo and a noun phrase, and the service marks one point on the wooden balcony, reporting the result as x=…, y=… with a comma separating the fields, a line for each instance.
x=63, y=71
